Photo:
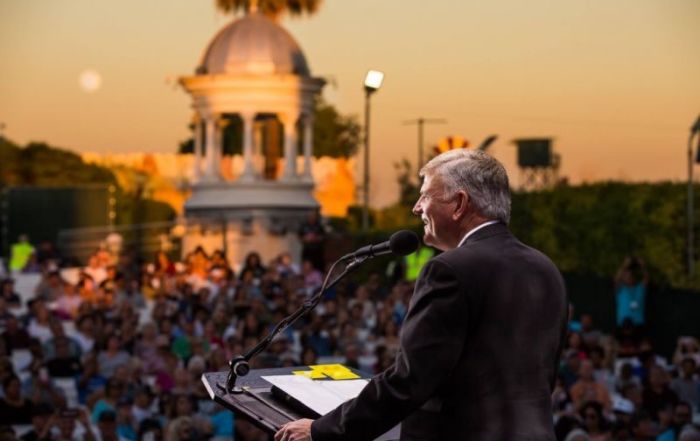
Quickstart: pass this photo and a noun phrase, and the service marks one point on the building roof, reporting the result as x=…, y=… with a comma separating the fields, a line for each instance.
x=256, y=45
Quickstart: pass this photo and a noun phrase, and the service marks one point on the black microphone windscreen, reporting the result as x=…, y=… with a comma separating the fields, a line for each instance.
x=403, y=242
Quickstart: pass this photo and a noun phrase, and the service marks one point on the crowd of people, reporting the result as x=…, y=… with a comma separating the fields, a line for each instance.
x=118, y=352
x=616, y=387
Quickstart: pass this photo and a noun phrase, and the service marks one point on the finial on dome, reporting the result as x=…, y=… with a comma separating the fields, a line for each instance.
x=252, y=6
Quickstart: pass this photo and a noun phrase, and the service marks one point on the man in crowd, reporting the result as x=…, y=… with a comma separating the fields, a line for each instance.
x=20, y=253
x=630, y=292
x=687, y=386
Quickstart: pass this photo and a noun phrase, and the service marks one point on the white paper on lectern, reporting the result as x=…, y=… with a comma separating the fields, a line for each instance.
x=319, y=396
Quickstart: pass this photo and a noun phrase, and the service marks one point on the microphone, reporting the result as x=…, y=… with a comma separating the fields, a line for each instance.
x=402, y=242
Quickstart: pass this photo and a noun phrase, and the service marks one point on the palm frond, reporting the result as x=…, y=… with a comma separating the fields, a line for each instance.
x=272, y=8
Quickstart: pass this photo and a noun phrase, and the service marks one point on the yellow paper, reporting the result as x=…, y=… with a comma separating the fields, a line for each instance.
x=313, y=374
x=335, y=371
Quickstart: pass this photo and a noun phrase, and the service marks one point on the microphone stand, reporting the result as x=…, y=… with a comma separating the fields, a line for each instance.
x=239, y=365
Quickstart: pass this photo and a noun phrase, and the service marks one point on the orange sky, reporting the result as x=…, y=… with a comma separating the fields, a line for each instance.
x=616, y=83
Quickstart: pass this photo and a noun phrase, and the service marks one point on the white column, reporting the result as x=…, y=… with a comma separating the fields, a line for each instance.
x=308, y=146
x=210, y=154
x=197, y=148
x=258, y=159
x=248, y=123
x=290, y=146
x=221, y=124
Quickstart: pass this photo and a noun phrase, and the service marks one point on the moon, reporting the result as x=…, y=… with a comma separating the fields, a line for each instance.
x=90, y=80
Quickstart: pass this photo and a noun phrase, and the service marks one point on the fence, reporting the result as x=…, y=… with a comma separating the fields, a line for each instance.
x=670, y=313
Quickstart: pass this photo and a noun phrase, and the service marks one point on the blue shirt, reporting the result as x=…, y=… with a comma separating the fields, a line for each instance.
x=630, y=303
x=222, y=423
x=668, y=435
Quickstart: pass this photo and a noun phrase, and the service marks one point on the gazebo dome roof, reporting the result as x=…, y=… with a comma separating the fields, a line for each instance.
x=254, y=45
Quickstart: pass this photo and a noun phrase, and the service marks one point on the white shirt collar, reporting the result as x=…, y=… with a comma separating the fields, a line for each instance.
x=474, y=230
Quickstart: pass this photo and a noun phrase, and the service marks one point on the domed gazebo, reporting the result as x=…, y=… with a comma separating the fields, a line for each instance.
x=254, y=70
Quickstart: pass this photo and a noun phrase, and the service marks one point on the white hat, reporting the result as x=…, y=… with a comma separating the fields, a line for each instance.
x=577, y=435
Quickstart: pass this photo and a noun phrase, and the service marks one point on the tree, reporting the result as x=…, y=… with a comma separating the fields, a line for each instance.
x=10, y=172
x=271, y=8
x=589, y=229
x=186, y=146
x=409, y=188
x=400, y=214
x=335, y=135
x=43, y=165
x=39, y=164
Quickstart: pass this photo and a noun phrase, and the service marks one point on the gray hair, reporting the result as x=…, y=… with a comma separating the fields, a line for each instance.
x=480, y=175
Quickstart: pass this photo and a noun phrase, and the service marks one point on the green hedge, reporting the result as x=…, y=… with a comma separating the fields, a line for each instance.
x=589, y=229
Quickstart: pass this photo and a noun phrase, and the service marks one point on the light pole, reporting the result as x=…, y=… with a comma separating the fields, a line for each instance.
x=373, y=81
x=137, y=220
x=691, y=205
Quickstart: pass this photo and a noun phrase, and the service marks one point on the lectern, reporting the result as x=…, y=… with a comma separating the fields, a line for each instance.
x=258, y=404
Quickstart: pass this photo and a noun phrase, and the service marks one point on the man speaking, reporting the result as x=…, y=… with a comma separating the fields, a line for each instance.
x=481, y=341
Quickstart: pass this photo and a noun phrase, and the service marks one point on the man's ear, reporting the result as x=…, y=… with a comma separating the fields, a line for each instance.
x=462, y=205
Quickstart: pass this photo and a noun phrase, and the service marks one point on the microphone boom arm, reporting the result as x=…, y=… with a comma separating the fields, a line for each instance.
x=239, y=365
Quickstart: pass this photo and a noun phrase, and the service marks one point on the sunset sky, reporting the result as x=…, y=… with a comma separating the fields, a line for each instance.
x=616, y=83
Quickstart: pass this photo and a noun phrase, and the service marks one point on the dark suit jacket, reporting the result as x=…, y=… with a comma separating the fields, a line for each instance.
x=478, y=355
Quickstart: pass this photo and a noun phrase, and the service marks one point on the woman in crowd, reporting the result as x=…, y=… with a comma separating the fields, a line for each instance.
x=594, y=422
x=253, y=263
x=14, y=408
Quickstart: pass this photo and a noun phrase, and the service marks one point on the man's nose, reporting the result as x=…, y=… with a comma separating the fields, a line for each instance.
x=417, y=209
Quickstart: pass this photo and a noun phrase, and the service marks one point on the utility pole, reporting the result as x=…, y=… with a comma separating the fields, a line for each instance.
x=420, y=122
x=695, y=129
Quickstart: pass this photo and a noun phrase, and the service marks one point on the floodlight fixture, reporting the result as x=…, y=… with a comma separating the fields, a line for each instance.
x=373, y=80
